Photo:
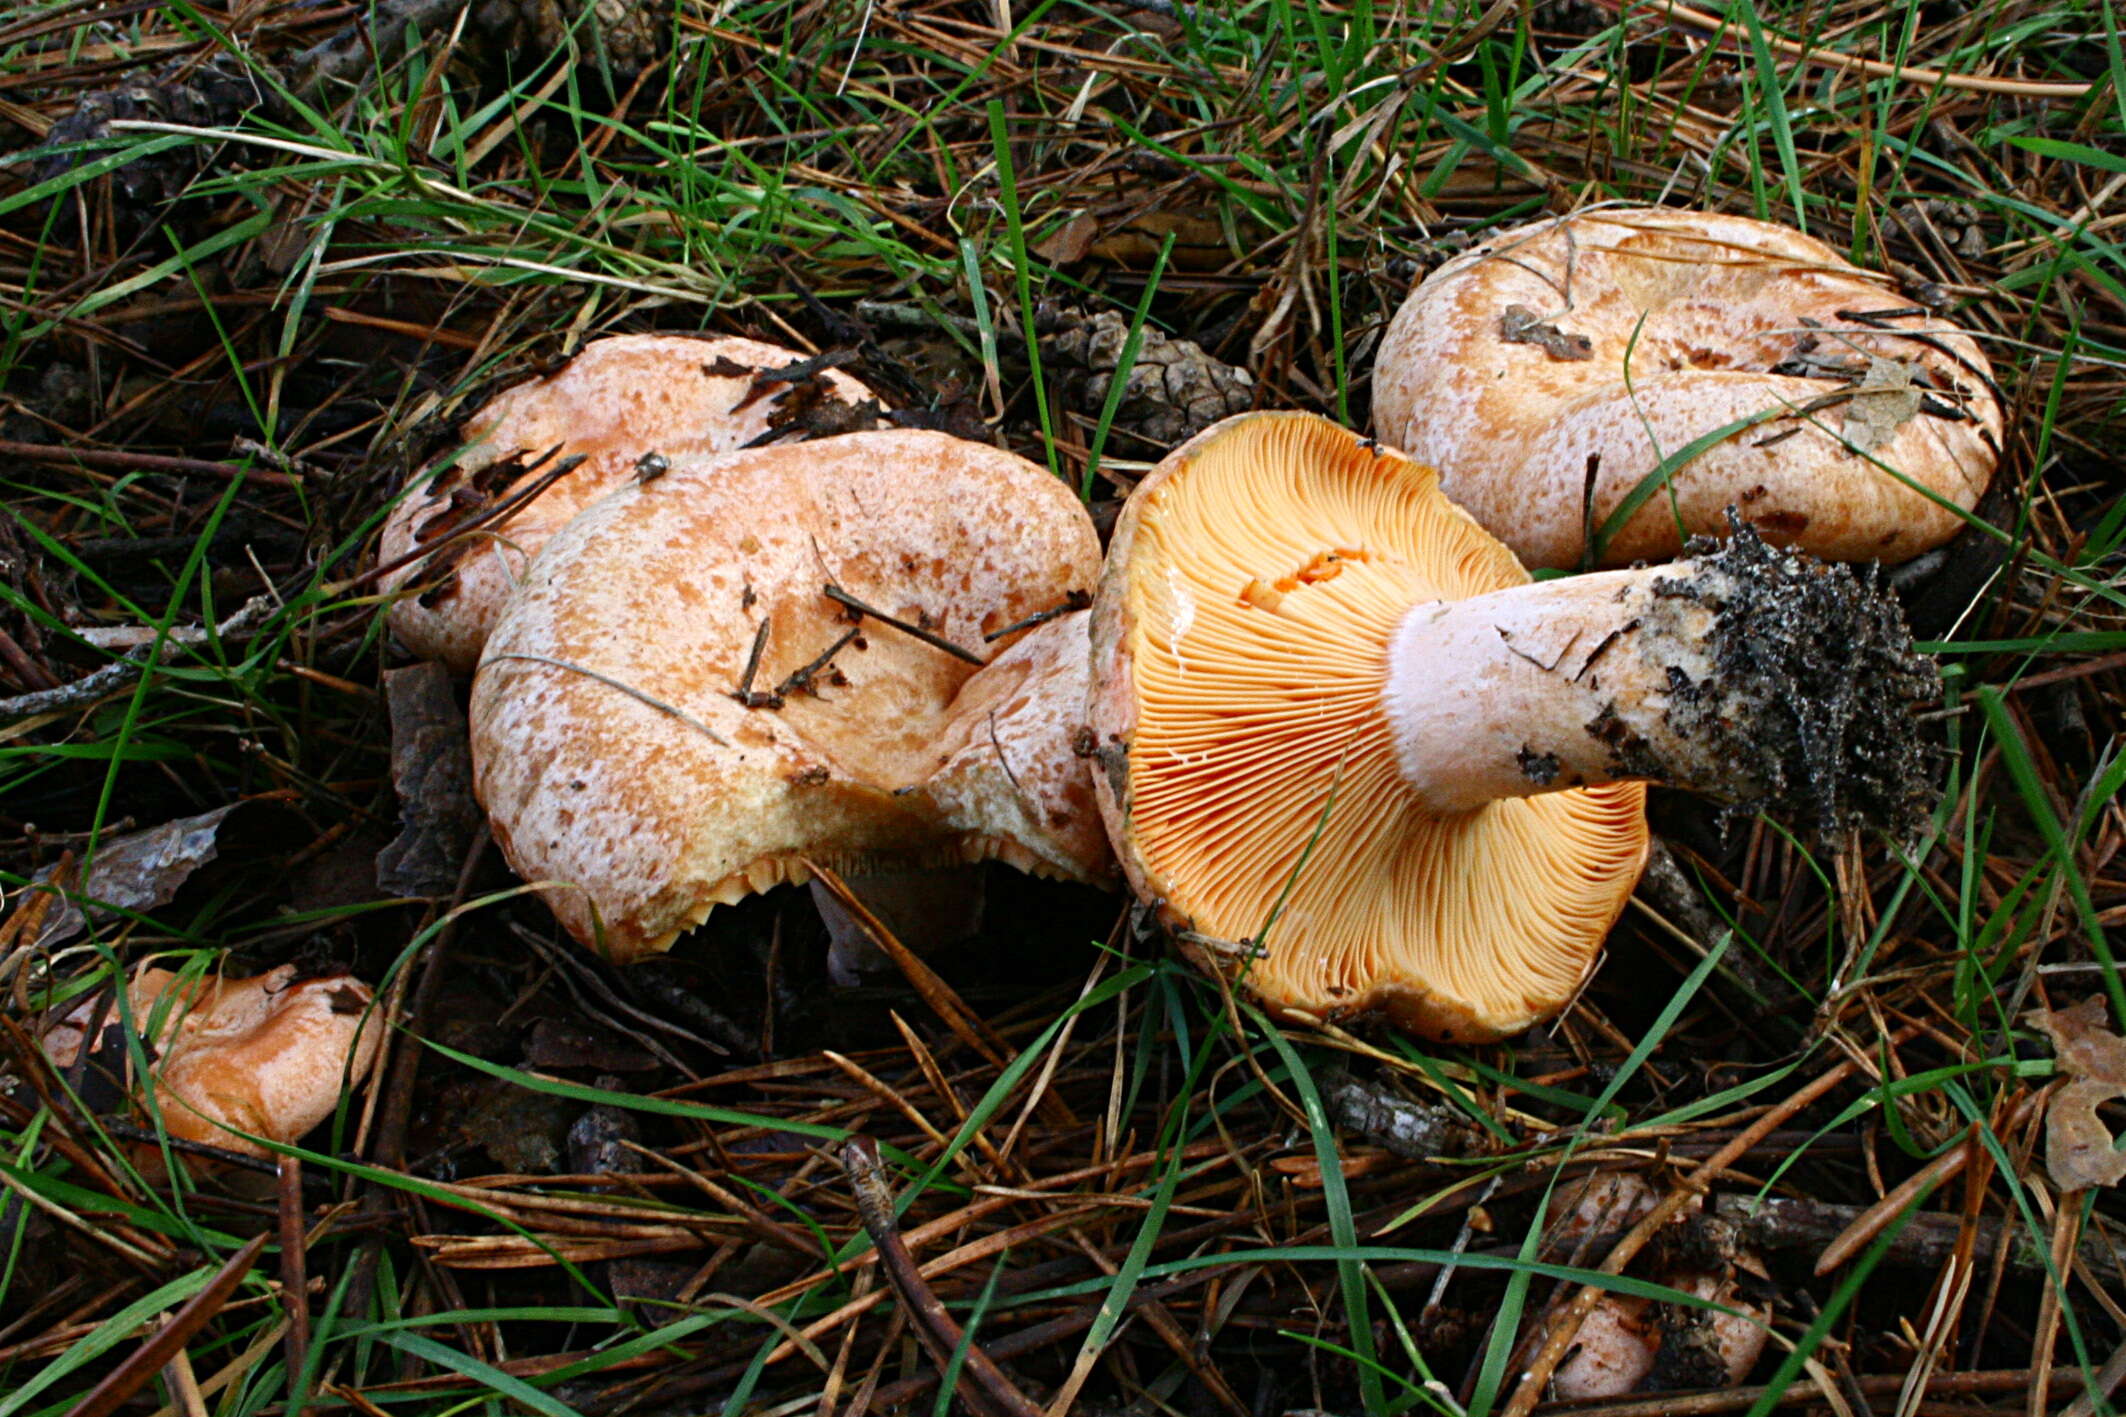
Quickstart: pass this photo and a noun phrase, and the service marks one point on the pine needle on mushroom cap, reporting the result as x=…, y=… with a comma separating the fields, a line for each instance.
x=620, y=401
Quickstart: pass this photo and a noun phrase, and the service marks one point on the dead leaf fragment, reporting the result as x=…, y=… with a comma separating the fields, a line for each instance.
x=1521, y=325
x=139, y=871
x=1883, y=402
x=1068, y=243
x=2079, y=1150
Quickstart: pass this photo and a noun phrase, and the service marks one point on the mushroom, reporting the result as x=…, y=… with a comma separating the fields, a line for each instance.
x=620, y=401
x=1355, y=755
x=1628, y=1343
x=808, y=653
x=1549, y=371
x=265, y=1057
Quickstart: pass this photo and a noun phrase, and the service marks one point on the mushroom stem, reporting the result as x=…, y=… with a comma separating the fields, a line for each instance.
x=1757, y=677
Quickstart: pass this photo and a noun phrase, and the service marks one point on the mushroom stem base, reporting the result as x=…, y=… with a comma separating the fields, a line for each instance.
x=1760, y=678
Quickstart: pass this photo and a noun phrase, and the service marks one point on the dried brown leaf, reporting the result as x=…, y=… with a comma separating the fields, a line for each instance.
x=139, y=871
x=1521, y=325
x=1068, y=243
x=1885, y=400
x=2079, y=1150
x=431, y=770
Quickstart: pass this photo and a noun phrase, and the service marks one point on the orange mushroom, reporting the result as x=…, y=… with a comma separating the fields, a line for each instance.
x=819, y=652
x=1627, y=1342
x=1358, y=758
x=268, y=1057
x=1552, y=369
x=619, y=401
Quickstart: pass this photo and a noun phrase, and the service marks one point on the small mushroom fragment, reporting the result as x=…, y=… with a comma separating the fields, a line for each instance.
x=1629, y=1344
x=1550, y=370
x=781, y=656
x=1356, y=756
x=268, y=1056
x=620, y=401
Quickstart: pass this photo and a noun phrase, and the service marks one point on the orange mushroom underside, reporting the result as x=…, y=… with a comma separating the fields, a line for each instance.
x=1254, y=596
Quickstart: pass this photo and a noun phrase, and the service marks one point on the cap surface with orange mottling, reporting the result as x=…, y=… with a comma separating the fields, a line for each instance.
x=1548, y=373
x=618, y=400
x=628, y=755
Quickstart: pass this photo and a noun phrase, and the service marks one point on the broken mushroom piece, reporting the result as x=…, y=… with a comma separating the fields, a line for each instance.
x=1552, y=369
x=1357, y=757
x=1007, y=784
x=814, y=652
x=233, y=1059
x=620, y=401
x=1628, y=1343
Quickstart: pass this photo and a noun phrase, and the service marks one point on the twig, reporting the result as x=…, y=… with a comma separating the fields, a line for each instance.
x=34, y=676
x=348, y=51
x=839, y=596
x=295, y=1279
x=1415, y=1131
x=1076, y=600
x=744, y=692
x=1566, y=1330
x=915, y=317
x=799, y=680
x=145, y=1361
x=206, y=1151
x=140, y=462
x=983, y=1386
x=98, y=684
x=2102, y=664
x=1870, y=1222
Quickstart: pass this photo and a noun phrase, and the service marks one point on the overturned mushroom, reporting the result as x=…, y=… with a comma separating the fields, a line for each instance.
x=626, y=405
x=266, y=1057
x=847, y=652
x=1550, y=371
x=1356, y=756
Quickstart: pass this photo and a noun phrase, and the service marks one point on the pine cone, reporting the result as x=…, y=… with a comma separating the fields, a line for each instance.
x=1175, y=389
x=630, y=35
x=1571, y=19
x=148, y=190
x=1935, y=227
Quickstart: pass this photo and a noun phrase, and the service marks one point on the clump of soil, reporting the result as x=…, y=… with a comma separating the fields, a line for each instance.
x=1815, y=687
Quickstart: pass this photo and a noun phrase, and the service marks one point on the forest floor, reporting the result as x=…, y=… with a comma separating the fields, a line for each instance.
x=257, y=260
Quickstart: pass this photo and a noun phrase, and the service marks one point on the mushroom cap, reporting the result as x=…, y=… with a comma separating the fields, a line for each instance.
x=1008, y=777
x=1692, y=321
x=269, y=1055
x=1246, y=770
x=613, y=757
x=618, y=399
